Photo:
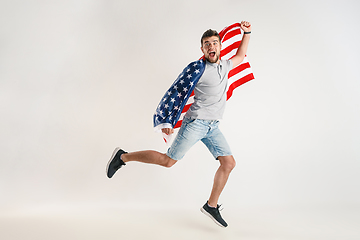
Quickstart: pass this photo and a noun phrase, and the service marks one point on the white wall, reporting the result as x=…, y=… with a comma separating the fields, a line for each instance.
x=79, y=78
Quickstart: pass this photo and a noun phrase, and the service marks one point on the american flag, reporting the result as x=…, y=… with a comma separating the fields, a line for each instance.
x=175, y=102
x=178, y=99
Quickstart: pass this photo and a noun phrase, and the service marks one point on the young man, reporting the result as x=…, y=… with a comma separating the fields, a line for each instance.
x=200, y=122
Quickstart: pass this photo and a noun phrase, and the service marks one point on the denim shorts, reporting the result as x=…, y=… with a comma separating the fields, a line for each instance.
x=193, y=130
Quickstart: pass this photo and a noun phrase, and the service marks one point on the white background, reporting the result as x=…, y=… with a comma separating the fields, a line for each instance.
x=79, y=78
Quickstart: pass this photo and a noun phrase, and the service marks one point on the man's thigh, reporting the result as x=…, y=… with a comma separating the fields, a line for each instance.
x=191, y=132
x=217, y=144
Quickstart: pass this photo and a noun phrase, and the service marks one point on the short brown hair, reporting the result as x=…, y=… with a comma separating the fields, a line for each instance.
x=209, y=33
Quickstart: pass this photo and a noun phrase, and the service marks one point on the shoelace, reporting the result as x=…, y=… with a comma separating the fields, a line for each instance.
x=219, y=207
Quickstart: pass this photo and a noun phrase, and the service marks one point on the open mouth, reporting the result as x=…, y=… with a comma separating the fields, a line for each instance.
x=212, y=54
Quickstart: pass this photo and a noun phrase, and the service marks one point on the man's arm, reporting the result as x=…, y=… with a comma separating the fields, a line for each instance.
x=241, y=52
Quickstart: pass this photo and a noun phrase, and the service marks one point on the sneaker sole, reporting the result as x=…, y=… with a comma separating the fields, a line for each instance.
x=210, y=216
x=112, y=157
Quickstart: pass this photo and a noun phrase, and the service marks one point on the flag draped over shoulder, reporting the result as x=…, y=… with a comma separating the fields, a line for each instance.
x=179, y=97
x=172, y=105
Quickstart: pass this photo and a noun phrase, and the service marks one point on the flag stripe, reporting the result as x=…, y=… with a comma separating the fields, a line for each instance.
x=227, y=29
x=230, y=48
x=231, y=34
x=178, y=124
x=238, y=83
x=239, y=75
x=238, y=69
x=186, y=107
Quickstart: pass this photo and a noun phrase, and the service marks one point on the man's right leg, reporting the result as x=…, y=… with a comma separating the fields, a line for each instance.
x=120, y=158
x=149, y=156
x=184, y=140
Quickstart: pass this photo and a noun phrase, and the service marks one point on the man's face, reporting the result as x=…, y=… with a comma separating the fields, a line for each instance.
x=211, y=48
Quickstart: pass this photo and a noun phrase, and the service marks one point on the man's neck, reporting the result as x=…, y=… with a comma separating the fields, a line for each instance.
x=218, y=62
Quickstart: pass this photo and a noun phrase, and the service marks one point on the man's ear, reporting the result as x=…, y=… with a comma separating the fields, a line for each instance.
x=202, y=49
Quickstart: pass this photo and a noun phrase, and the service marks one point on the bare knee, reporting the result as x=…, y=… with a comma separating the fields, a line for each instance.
x=227, y=162
x=169, y=162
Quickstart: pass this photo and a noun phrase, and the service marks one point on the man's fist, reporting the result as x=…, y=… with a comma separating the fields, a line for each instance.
x=245, y=26
x=167, y=131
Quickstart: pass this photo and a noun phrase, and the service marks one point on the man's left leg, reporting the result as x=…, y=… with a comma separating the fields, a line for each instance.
x=227, y=164
x=211, y=208
x=220, y=149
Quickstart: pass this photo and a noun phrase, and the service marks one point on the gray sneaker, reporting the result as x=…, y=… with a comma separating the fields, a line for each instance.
x=115, y=162
x=214, y=214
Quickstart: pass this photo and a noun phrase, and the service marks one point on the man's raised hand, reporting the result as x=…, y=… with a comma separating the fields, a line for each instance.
x=245, y=26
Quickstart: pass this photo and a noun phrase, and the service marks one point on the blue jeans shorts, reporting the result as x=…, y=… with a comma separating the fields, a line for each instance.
x=193, y=130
